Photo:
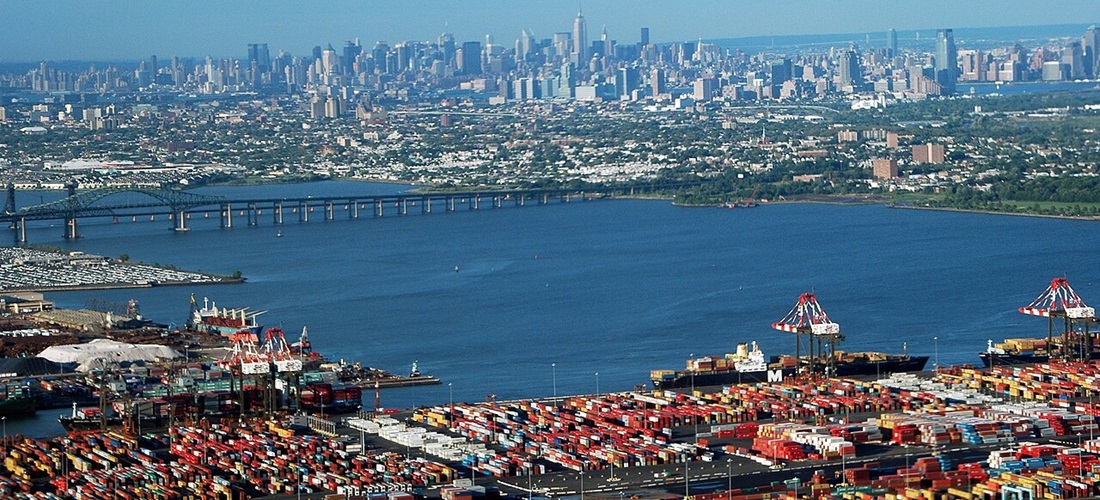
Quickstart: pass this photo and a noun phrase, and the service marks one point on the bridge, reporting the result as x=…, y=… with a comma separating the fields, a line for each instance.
x=178, y=206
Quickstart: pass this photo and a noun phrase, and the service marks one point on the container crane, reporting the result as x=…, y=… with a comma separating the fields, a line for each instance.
x=285, y=361
x=1060, y=301
x=811, y=326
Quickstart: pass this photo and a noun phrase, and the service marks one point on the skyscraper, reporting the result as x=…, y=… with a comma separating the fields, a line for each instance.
x=891, y=43
x=947, y=64
x=850, y=73
x=645, y=36
x=258, y=52
x=471, y=58
x=1091, y=43
x=580, y=41
x=447, y=46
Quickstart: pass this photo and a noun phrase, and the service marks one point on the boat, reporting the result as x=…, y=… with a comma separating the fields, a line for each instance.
x=88, y=419
x=749, y=365
x=225, y=322
x=369, y=377
x=18, y=406
x=1020, y=352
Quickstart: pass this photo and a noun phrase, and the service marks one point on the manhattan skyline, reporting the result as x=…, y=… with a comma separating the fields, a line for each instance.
x=115, y=30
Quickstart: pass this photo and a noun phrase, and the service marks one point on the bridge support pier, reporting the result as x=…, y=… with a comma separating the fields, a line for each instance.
x=227, y=216
x=450, y=203
x=70, y=228
x=180, y=224
x=475, y=200
x=252, y=214
x=22, y=229
x=277, y=212
x=378, y=209
x=330, y=213
x=354, y=214
x=303, y=211
x=427, y=205
x=545, y=199
x=404, y=206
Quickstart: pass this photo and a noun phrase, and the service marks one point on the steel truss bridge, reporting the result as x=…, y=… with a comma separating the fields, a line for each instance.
x=177, y=206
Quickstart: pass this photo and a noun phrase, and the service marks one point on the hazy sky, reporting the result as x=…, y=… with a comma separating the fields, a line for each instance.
x=116, y=30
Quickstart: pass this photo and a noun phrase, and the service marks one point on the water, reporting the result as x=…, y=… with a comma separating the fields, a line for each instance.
x=1016, y=88
x=610, y=287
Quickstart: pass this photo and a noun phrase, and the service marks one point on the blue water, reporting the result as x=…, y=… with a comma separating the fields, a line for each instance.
x=614, y=287
x=1015, y=88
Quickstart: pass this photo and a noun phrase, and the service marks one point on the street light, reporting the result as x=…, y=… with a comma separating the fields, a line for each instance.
x=729, y=477
x=597, y=383
x=451, y=413
x=936, y=364
x=687, y=480
x=554, y=374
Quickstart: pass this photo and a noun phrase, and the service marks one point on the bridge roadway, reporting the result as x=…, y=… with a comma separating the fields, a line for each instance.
x=178, y=206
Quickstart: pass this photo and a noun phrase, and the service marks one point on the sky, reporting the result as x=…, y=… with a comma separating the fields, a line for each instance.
x=115, y=30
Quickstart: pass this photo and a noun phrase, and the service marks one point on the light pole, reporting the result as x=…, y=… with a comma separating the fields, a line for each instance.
x=5, y=420
x=451, y=412
x=687, y=480
x=936, y=364
x=554, y=374
x=729, y=477
x=597, y=383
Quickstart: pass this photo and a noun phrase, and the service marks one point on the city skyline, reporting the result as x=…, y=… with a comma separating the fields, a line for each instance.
x=51, y=30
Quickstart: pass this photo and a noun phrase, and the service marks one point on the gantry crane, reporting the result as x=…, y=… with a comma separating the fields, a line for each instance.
x=810, y=325
x=278, y=351
x=1060, y=301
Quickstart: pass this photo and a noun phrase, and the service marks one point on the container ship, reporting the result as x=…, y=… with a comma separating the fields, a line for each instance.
x=806, y=319
x=225, y=322
x=1059, y=302
x=748, y=365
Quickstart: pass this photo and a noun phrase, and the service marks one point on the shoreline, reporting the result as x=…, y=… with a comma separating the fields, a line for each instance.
x=122, y=286
x=1086, y=218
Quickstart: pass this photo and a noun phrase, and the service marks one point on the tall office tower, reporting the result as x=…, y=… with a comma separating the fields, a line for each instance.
x=378, y=54
x=645, y=36
x=850, y=73
x=447, y=46
x=525, y=46
x=891, y=43
x=563, y=44
x=626, y=80
x=471, y=58
x=317, y=52
x=351, y=52
x=567, y=84
x=605, y=40
x=657, y=82
x=153, y=65
x=258, y=52
x=329, y=61
x=1091, y=42
x=177, y=71
x=1072, y=57
x=947, y=64
x=580, y=41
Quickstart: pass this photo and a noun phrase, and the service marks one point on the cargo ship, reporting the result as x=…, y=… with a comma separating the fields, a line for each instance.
x=749, y=365
x=1020, y=352
x=225, y=322
x=18, y=406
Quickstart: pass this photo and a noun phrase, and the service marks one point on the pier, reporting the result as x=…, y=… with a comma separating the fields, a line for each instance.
x=178, y=207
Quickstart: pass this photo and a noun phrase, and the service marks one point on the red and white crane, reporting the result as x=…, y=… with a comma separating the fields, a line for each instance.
x=1061, y=301
x=809, y=322
x=277, y=350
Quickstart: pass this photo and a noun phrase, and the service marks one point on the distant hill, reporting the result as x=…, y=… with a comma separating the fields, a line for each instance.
x=918, y=39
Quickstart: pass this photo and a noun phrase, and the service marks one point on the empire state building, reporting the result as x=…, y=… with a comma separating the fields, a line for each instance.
x=580, y=41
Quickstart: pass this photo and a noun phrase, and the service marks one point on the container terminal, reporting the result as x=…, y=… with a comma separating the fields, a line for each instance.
x=1009, y=431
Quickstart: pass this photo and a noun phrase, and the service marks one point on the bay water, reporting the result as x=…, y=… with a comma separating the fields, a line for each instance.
x=562, y=298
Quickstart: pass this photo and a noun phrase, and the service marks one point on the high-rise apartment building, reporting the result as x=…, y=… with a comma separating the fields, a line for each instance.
x=884, y=168
x=891, y=43
x=947, y=64
x=928, y=153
